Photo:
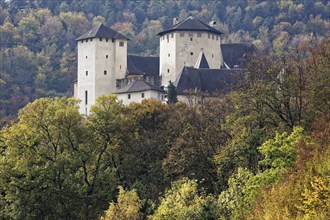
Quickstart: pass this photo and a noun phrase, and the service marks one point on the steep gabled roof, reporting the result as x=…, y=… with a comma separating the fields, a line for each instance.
x=233, y=54
x=102, y=31
x=206, y=80
x=138, y=86
x=148, y=66
x=191, y=24
x=202, y=62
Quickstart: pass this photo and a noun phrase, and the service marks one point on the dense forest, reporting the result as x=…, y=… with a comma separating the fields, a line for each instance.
x=258, y=151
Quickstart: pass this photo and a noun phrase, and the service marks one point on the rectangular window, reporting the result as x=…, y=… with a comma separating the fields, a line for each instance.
x=172, y=35
x=142, y=95
x=199, y=34
x=105, y=72
x=168, y=70
x=121, y=44
x=191, y=39
x=86, y=57
x=106, y=39
x=86, y=97
x=82, y=41
x=129, y=96
x=217, y=38
x=100, y=38
x=191, y=53
x=181, y=34
x=106, y=56
x=86, y=73
x=91, y=39
x=169, y=55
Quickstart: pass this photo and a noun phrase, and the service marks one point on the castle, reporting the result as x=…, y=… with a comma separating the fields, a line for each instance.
x=191, y=56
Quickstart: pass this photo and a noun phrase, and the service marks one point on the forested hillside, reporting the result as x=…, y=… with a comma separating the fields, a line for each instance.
x=258, y=151
x=38, y=48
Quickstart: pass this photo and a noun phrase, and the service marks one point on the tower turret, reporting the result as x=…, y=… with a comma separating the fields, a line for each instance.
x=102, y=54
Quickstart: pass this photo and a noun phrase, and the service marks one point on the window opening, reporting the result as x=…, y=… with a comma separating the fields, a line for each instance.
x=105, y=72
x=86, y=73
x=142, y=94
x=129, y=96
x=121, y=44
x=86, y=97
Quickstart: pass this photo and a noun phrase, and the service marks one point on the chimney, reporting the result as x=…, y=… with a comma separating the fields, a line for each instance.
x=212, y=23
x=175, y=21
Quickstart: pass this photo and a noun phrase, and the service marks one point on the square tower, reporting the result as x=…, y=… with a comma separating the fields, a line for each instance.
x=102, y=58
x=182, y=44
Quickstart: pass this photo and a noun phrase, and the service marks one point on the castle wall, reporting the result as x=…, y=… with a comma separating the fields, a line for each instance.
x=128, y=98
x=186, y=47
x=86, y=74
x=100, y=62
x=120, y=58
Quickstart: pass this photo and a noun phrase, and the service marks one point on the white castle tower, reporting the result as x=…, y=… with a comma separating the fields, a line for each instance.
x=102, y=58
x=182, y=44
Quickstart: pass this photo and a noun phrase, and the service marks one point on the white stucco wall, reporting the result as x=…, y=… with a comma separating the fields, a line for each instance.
x=96, y=57
x=184, y=52
x=137, y=96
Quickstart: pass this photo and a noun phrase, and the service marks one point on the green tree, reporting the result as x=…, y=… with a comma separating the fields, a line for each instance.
x=52, y=165
x=183, y=201
x=128, y=207
x=171, y=93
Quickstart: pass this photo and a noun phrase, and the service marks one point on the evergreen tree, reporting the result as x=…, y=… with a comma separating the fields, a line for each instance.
x=172, y=95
